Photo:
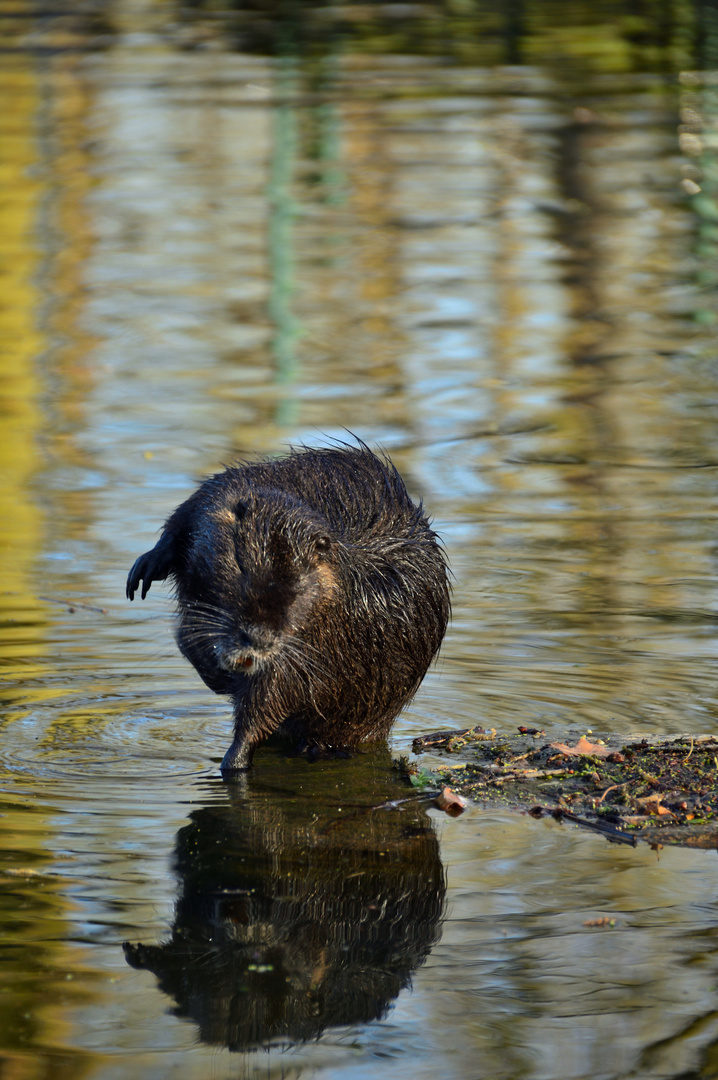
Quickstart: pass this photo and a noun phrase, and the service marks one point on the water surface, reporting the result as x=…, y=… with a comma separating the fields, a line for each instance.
x=501, y=267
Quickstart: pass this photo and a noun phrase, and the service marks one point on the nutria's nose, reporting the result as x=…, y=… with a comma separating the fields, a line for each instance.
x=255, y=637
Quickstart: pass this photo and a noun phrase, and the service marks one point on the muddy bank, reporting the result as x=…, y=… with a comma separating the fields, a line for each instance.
x=662, y=790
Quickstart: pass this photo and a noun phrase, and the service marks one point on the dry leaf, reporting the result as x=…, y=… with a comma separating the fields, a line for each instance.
x=451, y=803
x=582, y=747
x=652, y=804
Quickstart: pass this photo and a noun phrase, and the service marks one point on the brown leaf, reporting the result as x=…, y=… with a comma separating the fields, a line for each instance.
x=451, y=803
x=583, y=746
x=652, y=804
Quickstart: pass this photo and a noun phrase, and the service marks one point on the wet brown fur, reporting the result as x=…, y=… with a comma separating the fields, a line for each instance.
x=310, y=589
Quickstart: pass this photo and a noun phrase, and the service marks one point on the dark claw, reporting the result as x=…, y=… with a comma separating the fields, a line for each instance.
x=134, y=577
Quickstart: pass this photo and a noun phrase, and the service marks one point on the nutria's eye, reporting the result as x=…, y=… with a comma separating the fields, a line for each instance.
x=322, y=543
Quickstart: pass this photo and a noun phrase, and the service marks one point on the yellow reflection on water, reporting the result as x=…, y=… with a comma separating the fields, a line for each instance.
x=31, y=898
x=21, y=342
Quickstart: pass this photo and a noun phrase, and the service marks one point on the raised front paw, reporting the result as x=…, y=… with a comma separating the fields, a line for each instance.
x=154, y=565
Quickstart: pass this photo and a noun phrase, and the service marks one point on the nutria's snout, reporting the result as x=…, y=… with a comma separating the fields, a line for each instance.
x=250, y=654
x=233, y=659
x=310, y=589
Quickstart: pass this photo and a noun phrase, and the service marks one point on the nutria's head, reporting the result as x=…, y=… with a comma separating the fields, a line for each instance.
x=255, y=574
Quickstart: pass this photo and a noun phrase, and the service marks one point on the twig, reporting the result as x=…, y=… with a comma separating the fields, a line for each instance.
x=72, y=604
x=613, y=788
x=603, y=827
x=538, y=774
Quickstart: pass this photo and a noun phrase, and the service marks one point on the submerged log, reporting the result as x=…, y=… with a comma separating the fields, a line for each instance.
x=657, y=789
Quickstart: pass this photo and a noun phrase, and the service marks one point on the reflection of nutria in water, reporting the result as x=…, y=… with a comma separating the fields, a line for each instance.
x=311, y=589
x=307, y=900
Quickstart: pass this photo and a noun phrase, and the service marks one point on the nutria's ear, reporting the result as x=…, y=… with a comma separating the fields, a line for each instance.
x=323, y=543
x=154, y=565
x=240, y=510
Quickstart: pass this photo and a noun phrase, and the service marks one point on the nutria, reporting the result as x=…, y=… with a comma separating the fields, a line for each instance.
x=310, y=589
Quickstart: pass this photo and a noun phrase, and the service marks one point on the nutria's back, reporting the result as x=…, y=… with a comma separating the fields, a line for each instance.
x=311, y=589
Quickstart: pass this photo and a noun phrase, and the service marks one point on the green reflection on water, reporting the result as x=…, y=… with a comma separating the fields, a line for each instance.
x=615, y=36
